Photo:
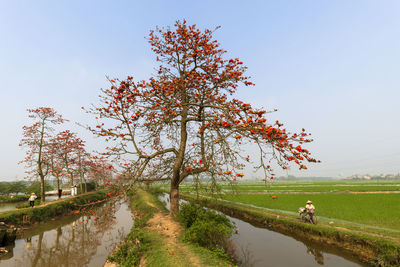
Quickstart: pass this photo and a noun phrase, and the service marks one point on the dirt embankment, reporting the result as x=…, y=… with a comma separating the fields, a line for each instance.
x=157, y=239
x=170, y=229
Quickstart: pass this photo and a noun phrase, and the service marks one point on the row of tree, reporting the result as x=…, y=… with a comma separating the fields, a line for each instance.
x=62, y=155
x=7, y=188
x=24, y=187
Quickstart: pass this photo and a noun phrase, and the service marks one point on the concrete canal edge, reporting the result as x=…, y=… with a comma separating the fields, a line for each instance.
x=373, y=250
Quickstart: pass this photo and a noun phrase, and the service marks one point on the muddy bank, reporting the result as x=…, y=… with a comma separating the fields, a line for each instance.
x=368, y=249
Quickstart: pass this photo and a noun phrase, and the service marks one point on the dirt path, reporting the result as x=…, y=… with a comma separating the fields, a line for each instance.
x=170, y=229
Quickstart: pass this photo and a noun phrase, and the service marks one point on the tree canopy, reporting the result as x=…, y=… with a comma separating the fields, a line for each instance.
x=185, y=121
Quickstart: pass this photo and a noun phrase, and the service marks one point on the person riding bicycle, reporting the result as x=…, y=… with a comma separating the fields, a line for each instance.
x=310, y=209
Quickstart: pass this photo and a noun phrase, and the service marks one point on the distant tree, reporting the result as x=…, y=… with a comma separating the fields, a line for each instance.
x=3, y=186
x=184, y=121
x=84, y=163
x=17, y=187
x=69, y=144
x=73, y=157
x=12, y=187
x=100, y=171
x=56, y=162
x=36, y=139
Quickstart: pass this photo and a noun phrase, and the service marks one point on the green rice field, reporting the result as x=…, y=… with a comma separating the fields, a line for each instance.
x=371, y=209
x=339, y=186
x=370, y=203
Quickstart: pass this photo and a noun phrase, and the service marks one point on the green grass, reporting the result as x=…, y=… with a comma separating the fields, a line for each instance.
x=371, y=209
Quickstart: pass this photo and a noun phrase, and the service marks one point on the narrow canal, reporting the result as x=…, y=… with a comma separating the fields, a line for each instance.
x=72, y=240
x=260, y=247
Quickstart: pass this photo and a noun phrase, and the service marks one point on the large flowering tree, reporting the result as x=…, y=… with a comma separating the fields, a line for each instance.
x=185, y=122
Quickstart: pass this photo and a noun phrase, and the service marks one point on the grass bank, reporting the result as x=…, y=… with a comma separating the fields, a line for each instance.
x=16, y=198
x=157, y=240
x=49, y=210
x=372, y=249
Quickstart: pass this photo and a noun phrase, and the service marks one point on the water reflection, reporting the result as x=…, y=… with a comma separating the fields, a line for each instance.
x=86, y=241
x=318, y=256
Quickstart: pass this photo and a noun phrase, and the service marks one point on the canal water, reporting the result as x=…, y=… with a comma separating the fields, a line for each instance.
x=8, y=206
x=260, y=247
x=84, y=240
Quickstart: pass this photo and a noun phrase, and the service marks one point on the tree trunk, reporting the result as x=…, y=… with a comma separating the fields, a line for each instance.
x=174, y=200
x=59, y=232
x=58, y=186
x=81, y=183
x=42, y=192
x=72, y=180
x=38, y=253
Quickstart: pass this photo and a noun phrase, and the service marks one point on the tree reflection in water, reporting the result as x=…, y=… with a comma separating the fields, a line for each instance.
x=74, y=244
x=318, y=256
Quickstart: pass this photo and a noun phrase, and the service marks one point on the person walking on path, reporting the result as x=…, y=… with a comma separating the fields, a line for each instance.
x=32, y=199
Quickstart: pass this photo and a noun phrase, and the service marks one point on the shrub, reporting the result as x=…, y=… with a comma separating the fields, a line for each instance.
x=205, y=227
x=129, y=252
x=188, y=213
x=208, y=234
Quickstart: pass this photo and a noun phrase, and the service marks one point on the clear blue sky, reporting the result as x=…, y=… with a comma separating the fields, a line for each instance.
x=331, y=67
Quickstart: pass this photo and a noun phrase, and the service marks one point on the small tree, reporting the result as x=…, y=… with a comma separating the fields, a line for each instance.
x=84, y=163
x=36, y=139
x=56, y=161
x=185, y=122
x=68, y=144
x=74, y=158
